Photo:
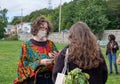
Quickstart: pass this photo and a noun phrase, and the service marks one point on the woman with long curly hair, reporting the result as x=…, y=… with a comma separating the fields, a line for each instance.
x=84, y=53
x=37, y=55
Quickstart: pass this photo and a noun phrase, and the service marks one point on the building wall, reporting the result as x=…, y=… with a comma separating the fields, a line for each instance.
x=115, y=32
x=56, y=37
x=63, y=36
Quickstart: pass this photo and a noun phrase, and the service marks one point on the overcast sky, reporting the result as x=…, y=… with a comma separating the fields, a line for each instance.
x=14, y=6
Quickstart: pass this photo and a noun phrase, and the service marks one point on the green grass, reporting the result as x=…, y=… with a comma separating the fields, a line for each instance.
x=9, y=56
x=9, y=52
x=112, y=78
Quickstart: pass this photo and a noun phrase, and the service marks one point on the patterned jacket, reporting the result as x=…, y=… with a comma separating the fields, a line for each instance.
x=30, y=55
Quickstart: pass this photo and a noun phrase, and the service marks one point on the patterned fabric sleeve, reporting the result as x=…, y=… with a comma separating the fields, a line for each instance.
x=54, y=47
x=34, y=64
x=25, y=69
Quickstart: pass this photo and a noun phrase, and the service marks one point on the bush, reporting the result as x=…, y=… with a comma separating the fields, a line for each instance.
x=12, y=37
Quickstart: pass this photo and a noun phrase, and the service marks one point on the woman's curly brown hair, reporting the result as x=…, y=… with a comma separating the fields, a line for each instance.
x=37, y=23
x=83, y=47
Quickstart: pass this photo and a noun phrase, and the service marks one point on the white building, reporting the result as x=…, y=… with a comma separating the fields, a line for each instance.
x=24, y=28
x=10, y=29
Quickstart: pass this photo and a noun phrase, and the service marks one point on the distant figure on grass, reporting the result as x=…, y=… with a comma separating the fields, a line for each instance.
x=37, y=56
x=111, y=50
x=84, y=53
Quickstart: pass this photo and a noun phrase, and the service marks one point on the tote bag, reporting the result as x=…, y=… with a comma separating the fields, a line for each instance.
x=60, y=79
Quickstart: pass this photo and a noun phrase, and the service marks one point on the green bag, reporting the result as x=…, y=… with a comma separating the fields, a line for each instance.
x=76, y=76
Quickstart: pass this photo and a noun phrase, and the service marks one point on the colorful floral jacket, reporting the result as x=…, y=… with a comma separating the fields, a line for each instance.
x=31, y=54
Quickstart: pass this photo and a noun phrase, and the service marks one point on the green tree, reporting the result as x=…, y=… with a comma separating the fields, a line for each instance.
x=68, y=15
x=93, y=13
x=113, y=14
x=4, y=12
x=16, y=21
x=2, y=30
x=3, y=22
x=55, y=19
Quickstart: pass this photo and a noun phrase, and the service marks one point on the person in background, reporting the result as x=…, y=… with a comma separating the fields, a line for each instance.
x=84, y=53
x=111, y=50
x=37, y=56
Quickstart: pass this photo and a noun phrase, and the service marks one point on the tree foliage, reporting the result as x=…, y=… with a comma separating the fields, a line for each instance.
x=98, y=14
x=93, y=13
x=16, y=21
x=3, y=22
x=113, y=14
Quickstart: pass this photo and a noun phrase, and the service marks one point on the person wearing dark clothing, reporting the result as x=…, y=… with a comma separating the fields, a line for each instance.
x=84, y=53
x=111, y=51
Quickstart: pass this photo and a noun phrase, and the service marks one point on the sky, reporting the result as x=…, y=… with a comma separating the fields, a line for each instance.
x=15, y=7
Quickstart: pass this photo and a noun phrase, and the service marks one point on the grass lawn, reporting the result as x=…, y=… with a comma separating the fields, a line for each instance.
x=9, y=56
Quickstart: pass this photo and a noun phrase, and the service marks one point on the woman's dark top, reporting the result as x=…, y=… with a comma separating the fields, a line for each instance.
x=97, y=75
x=113, y=48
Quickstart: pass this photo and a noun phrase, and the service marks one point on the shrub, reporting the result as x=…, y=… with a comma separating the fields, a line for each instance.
x=12, y=37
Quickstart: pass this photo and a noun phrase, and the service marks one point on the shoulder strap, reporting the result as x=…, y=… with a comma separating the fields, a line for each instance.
x=66, y=61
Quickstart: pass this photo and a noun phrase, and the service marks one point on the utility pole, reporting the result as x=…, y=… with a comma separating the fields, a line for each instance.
x=21, y=15
x=21, y=19
x=60, y=16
